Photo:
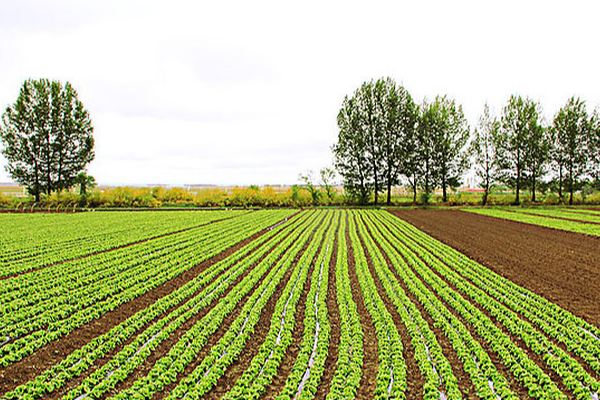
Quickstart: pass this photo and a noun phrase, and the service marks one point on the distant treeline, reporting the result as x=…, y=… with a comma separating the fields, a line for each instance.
x=154, y=197
x=386, y=139
x=251, y=196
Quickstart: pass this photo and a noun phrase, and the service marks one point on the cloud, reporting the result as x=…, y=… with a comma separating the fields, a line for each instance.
x=248, y=92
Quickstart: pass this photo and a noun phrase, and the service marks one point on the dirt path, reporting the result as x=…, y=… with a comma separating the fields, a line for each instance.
x=333, y=314
x=563, y=267
x=368, y=381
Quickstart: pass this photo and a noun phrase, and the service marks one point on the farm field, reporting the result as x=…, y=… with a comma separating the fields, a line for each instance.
x=288, y=304
x=572, y=220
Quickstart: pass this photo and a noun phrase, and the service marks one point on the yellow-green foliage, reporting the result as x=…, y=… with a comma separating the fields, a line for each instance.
x=5, y=201
x=123, y=197
x=251, y=196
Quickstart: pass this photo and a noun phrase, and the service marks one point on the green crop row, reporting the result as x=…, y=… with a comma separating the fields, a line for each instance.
x=264, y=365
x=424, y=300
x=391, y=374
x=488, y=382
x=572, y=226
x=56, y=320
x=346, y=378
x=559, y=213
x=304, y=378
x=27, y=243
x=439, y=268
x=128, y=359
x=232, y=343
x=220, y=275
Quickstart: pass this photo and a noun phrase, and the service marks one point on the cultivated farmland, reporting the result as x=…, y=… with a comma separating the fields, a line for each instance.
x=282, y=304
x=580, y=221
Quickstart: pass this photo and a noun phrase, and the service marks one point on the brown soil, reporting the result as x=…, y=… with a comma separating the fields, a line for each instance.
x=563, y=267
x=54, y=352
x=333, y=315
x=368, y=381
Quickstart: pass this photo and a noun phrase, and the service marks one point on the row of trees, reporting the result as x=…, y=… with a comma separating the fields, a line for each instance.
x=518, y=149
x=386, y=138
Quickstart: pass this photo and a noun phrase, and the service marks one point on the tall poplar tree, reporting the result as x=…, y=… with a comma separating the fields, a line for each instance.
x=593, y=149
x=519, y=122
x=570, y=131
x=397, y=112
x=349, y=152
x=444, y=132
x=483, y=149
x=373, y=124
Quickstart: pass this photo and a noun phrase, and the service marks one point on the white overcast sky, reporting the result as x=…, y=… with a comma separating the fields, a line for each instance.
x=247, y=92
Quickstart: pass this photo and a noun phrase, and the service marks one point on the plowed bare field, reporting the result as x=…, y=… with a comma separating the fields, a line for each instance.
x=564, y=267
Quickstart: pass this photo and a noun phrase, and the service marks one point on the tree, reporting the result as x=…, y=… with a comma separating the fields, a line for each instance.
x=399, y=116
x=537, y=146
x=47, y=135
x=377, y=118
x=450, y=159
x=327, y=176
x=411, y=157
x=370, y=97
x=557, y=158
x=444, y=133
x=349, y=152
x=308, y=180
x=426, y=128
x=593, y=149
x=570, y=132
x=483, y=149
x=87, y=182
x=519, y=121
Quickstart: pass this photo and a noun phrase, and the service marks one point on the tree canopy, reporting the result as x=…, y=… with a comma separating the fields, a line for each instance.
x=483, y=149
x=571, y=132
x=374, y=124
x=517, y=145
x=47, y=135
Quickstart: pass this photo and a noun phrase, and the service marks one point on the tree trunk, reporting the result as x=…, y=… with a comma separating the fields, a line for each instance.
x=560, y=181
x=486, y=189
x=571, y=197
x=444, y=195
x=363, y=191
x=427, y=181
x=533, y=189
x=414, y=189
x=37, y=182
x=517, y=200
x=376, y=181
x=389, y=194
x=570, y=186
